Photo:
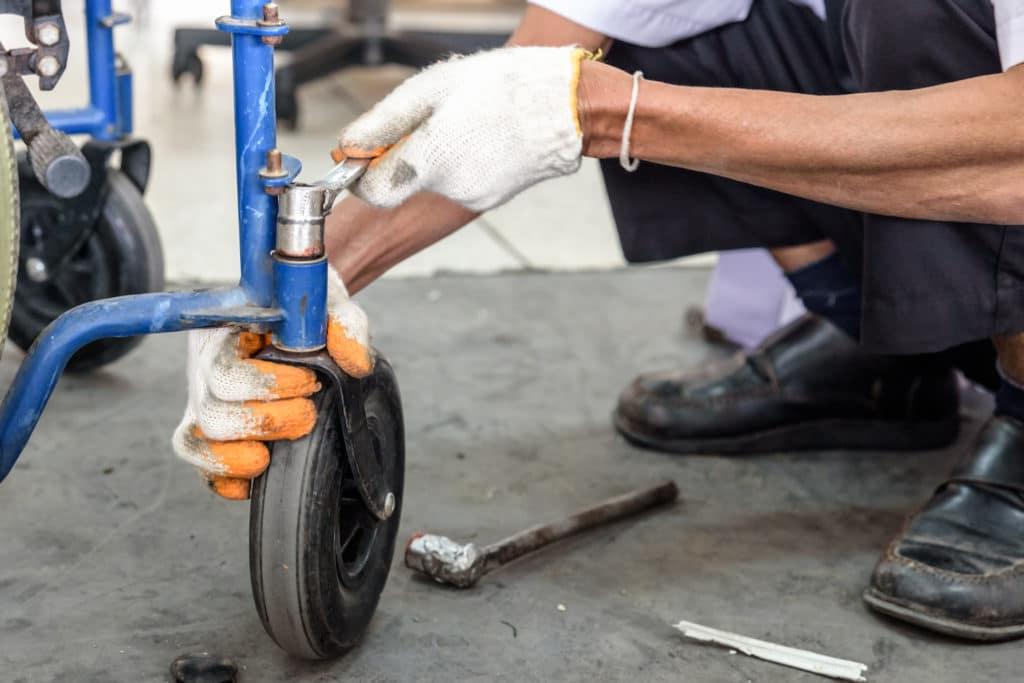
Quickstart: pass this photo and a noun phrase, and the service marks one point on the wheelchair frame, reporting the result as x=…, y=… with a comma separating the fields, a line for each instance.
x=282, y=295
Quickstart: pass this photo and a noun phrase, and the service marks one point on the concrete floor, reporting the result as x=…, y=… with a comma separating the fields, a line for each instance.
x=115, y=560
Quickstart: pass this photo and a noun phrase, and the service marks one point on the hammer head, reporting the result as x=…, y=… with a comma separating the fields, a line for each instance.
x=444, y=560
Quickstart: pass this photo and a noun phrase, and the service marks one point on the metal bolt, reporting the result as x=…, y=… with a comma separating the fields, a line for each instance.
x=271, y=17
x=389, y=505
x=275, y=163
x=35, y=268
x=48, y=66
x=274, y=169
x=48, y=34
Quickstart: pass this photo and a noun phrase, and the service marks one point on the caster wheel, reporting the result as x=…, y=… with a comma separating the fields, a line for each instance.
x=122, y=256
x=187, y=63
x=318, y=560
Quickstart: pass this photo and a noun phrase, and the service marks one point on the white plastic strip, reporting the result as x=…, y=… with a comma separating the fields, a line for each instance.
x=812, y=662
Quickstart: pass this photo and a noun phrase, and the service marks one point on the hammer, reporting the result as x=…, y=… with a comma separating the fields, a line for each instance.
x=462, y=565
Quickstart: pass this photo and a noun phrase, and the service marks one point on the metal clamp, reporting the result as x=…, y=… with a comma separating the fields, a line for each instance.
x=45, y=29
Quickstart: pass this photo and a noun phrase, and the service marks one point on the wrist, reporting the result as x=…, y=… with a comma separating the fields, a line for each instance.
x=603, y=101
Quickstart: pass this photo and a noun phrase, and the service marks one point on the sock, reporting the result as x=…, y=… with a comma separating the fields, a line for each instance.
x=827, y=288
x=1009, y=398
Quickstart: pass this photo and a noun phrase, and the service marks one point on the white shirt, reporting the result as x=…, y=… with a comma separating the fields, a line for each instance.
x=657, y=23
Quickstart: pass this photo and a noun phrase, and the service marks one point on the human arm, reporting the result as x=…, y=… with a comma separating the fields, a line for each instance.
x=363, y=242
x=950, y=152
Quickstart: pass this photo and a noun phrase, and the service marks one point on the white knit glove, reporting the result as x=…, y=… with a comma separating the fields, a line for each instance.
x=478, y=129
x=236, y=402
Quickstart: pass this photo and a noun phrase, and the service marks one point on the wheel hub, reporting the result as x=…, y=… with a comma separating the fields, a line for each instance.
x=357, y=527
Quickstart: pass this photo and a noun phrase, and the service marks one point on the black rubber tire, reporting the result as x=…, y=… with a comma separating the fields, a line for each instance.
x=314, y=600
x=123, y=256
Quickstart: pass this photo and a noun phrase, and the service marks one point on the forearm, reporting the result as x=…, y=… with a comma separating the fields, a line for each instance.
x=952, y=152
x=364, y=242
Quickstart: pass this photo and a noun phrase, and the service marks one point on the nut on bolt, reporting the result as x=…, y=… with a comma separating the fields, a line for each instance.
x=271, y=18
x=48, y=66
x=48, y=34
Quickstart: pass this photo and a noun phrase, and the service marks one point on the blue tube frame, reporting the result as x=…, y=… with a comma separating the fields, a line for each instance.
x=253, y=304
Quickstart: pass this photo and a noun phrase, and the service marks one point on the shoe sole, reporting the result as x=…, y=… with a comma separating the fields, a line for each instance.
x=833, y=434
x=883, y=604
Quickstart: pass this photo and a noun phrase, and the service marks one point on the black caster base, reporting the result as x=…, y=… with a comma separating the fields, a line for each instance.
x=318, y=559
x=99, y=245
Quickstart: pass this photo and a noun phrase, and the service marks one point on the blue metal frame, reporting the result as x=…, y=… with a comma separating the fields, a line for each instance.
x=286, y=297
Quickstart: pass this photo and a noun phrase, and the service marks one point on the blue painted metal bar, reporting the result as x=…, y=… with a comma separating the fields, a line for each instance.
x=125, y=101
x=102, y=71
x=83, y=121
x=301, y=292
x=255, y=135
x=125, y=316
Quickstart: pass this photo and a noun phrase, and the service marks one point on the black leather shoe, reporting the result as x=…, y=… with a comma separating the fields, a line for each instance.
x=958, y=565
x=809, y=386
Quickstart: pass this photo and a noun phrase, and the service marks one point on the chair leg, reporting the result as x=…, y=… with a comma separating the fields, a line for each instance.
x=316, y=59
x=187, y=42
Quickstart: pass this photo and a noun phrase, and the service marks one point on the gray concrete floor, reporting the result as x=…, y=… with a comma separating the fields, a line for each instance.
x=114, y=559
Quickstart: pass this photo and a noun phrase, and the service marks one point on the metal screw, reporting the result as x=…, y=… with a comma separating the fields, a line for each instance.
x=48, y=34
x=36, y=270
x=271, y=17
x=275, y=163
x=274, y=169
x=48, y=66
x=389, y=505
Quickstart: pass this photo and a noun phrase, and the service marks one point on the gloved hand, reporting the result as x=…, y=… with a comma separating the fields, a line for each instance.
x=236, y=402
x=478, y=129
